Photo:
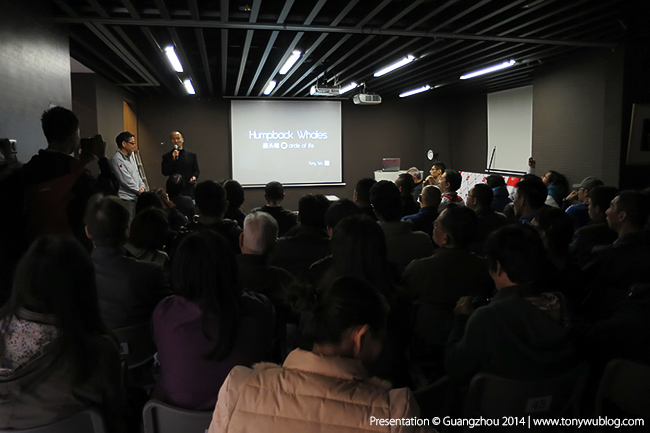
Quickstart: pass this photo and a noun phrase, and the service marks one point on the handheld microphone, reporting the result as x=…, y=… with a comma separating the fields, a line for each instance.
x=176, y=148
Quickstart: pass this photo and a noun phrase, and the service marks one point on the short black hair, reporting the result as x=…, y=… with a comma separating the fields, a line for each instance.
x=602, y=196
x=483, y=195
x=58, y=124
x=520, y=252
x=107, y=219
x=406, y=182
x=460, y=223
x=533, y=190
x=311, y=210
x=274, y=191
x=636, y=206
x=235, y=193
x=149, y=229
x=386, y=200
x=440, y=166
x=558, y=227
x=363, y=188
x=122, y=137
x=454, y=178
x=495, y=181
x=147, y=200
x=174, y=184
x=339, y=210
x=210, y=198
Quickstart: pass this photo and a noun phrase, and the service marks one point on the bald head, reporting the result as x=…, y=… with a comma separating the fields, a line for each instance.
x=430, y=196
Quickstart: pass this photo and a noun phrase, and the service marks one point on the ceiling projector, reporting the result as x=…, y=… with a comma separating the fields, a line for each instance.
x=366, y=99
x=318, y=90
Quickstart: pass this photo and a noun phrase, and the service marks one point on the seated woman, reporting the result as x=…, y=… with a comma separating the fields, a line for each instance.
x=327, y=389
x=210, y=326
x=56, y=356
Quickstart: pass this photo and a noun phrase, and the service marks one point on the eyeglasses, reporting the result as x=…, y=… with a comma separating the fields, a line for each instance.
x=131, y=142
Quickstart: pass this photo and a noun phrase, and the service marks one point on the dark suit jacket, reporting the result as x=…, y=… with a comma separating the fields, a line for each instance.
x=285, y=218
x=187, y=165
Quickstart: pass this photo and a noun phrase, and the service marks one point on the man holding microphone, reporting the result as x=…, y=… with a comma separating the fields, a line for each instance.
x=181, y=161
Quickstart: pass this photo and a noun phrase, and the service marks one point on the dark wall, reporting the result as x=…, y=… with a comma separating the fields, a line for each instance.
x=394, y=128
x=35, y=72
x=84, y=103
x=576, y=116
x=468, y=133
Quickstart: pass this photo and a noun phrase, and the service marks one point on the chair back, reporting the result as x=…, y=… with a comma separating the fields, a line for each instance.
x=626, y=384
x=159, y=417
x=88, y=420
x=136, y=344
x=496, y=397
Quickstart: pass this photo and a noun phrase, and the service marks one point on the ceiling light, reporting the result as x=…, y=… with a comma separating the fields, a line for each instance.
x=414, y=91
x=405, y=61
x=269, y=87
x=188, y=86
x=348, y=88
x=293, y=58
x=173, y=59
x=488, y=70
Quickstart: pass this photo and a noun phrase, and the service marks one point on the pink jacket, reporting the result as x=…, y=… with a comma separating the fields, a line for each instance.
x=310, y=393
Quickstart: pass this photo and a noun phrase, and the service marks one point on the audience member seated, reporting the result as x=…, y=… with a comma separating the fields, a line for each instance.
x=209, y=326
x=501, y=194
x=308, y=241
x=211, y=204
x=235, y=195
x=56, y=355
x=255, y=274
x=361, y=196
x=128, y=289
x=436, y=172
x=327, y=389
x=175, y=186
x=520, y=334
x=480, y=199
x=428, y=212
x=147, y=236
x=453, y=271
x=529, y=197
x=556, y=231
x=274, y=194
x=402, y=244
x=417, y=178
x=405, y=183
x=579, y=212
x=557, y=187
x=597, y=232
x=449, y=184
x=158, y=199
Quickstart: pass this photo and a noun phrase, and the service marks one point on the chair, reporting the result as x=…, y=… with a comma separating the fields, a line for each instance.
x=626, y=384
x=159, y=417
x=494, y=397
x=136, y=344
x=87, y=421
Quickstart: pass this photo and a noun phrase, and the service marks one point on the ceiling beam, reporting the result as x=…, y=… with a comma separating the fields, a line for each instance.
x=247, y=44
x=200, y=39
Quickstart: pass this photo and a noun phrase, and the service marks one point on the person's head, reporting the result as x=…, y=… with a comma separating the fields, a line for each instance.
x=515, y=255
x=274, y=193
x=234, y=193
x=174, y=185
x=204, y=271
x=107, y=221
x=210, y=198
x=386, y=201
x=148, y=199
x=437, y=169
x=349, y=321
x=600, y=198
x=628, y=212
x=177, y=139
x=56, y=276
x=149, y=229
x=480, y=197
x=61, y=129
x=339, y=210
x=125, y=142
x=555, y=229
x=585, y=187
x=311, y=210
x=530, y=196
x=259, y=235
x=552, y=177
x=430, y=196
x=362, y=191
x=495, y=181
x=416, y=173
x=456, y=227
x=405, y=183
x=450, y=181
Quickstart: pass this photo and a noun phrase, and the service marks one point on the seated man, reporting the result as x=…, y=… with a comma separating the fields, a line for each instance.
x=361, y=196
x=436, y=172
x=417, y=178
x=308, y=241
x=480, y=199
x=402, y=244
x=449, y=184
x=501, y=194
x=423, y=220
x=128, y=289
x=529, y=197
x=579, y=212
x=235, y=194
x=175, y=186
x=406, y=184
x=453, y=271
x=274, y=194
x=519, y=334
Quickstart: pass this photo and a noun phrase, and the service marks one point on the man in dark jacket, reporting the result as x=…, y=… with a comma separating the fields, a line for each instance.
x=181, y=161
x=274, y=195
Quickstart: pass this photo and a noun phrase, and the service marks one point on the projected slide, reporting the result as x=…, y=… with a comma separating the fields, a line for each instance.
x=294, y=142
